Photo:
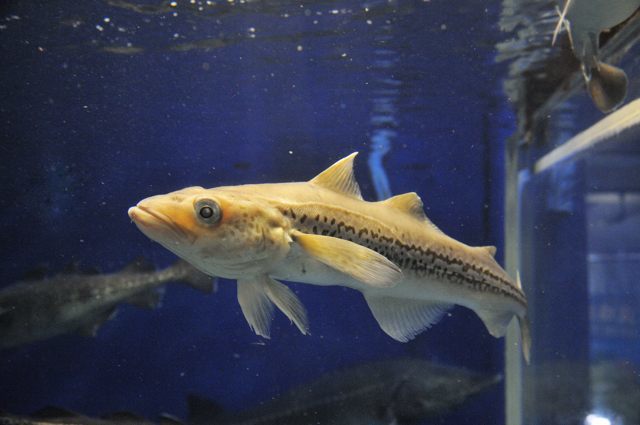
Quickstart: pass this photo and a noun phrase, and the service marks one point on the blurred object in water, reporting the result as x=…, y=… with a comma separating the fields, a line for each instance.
x=584, y=21
x=542, y=76
x=381, y=393
x=75, y=301
x=613, y=393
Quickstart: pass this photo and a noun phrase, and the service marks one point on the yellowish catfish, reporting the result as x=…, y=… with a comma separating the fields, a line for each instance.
x=322, y=232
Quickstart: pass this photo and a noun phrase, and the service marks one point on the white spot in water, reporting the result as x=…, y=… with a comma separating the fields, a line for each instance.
x=99, y=27
x=593, y=419
x=299, y=48
x=443, y=27
x=173, y=4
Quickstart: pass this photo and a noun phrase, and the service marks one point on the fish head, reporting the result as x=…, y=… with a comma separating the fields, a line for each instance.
x=223, y=231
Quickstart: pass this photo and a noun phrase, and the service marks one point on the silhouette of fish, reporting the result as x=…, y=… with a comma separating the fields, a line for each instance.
x=69, y=302
x=380, y=393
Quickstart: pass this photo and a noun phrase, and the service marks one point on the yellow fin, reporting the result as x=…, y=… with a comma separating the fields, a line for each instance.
x=407, y=202
x=356, y=261
x=411, y=204
x=339, y=178
x=489, y=249
x=256, y=297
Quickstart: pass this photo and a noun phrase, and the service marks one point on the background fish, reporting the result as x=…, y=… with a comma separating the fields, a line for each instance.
x=57, y=415
x=381, y=393
x=322, y=232
x=73, y=302
x=585, y=20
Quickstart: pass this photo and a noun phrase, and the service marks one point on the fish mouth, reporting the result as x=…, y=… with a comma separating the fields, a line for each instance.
x=150, y=221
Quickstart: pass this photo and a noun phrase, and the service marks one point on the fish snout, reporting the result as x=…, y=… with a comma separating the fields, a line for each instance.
x=132, y=213
x=155, y=218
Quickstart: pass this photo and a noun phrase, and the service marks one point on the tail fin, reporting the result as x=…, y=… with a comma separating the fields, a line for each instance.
x=607, y=86
x=525, y=337
x=525, y=328
x=194, y=278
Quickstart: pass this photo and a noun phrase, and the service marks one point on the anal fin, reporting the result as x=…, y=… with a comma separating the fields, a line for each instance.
x=257, y=296
x=402, y=319
x=90, y=328
x=148, y=299
x=495, y=321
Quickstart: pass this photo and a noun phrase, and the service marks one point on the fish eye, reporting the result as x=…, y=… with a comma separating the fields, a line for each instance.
x=208, y=211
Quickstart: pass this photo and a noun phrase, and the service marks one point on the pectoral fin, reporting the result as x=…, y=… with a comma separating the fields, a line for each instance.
x=90, y=328
x=357, y=261
x=403, y=319
x=257, y=296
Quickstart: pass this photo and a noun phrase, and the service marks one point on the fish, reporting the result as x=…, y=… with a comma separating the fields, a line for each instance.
x=584, y=21
x=58, y=415
x=75, y=302
x=380, y=393
x=322, y=232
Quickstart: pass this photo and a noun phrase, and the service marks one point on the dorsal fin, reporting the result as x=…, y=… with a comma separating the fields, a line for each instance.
x=123, y=417
x=139, y=265
x=54, y=412
x=339, y=178
x=168, y=419
x=411, y=204
x=490, y=249
x=39, y=272
x=71, y=268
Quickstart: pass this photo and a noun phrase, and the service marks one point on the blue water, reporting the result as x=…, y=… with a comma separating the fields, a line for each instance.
x=281, y=92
